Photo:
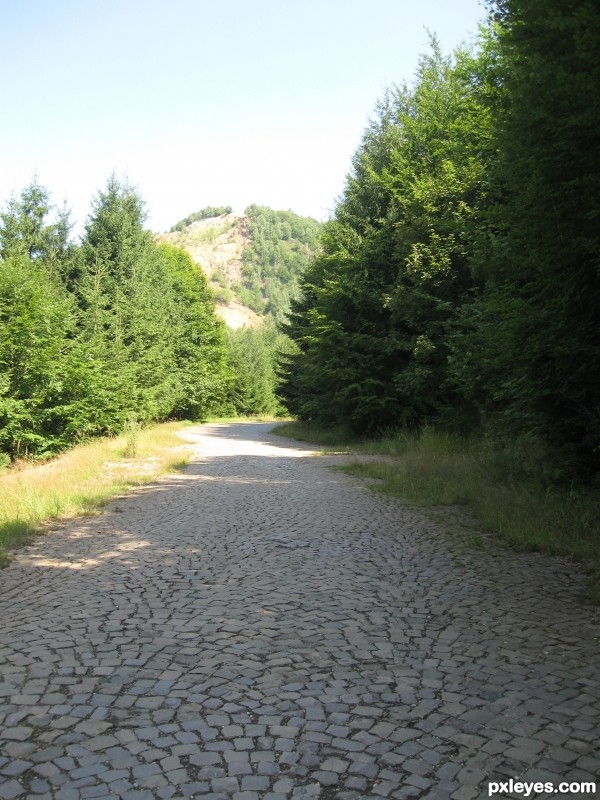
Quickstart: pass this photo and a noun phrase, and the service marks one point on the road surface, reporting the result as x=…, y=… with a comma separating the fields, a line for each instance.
x=264, y=627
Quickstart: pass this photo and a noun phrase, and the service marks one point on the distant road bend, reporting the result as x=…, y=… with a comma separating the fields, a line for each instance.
x=264, y=627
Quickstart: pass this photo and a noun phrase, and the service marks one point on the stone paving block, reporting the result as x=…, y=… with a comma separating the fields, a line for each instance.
x=226, y=784
x=267, y=767
x=16, y=767
x=102, y=742
x=66, y=793
x=88, y=792
x=417, y=766
x=308, y=790
x=368, y=770
x=384, y=788
x=10, y=789
x=19, y=733
x=192, y=789
x=326, y=778
x=256, y=783
x=265, y=628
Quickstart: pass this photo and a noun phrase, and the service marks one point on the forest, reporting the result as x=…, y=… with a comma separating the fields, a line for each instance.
x=120, y=331
x=94, y=336
x=282, y=245
x=455, y=286
x=458, y=281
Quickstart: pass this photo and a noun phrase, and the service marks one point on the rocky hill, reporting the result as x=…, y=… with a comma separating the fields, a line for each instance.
x=253, y=261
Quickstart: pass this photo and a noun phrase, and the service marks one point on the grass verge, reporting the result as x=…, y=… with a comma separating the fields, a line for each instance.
x=82, y=479
x=339, y=437
x=504, y=488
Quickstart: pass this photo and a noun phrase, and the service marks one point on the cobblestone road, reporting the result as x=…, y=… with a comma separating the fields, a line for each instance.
x=264, y=627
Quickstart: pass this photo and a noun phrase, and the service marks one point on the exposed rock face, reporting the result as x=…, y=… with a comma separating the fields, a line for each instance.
x=237, y=315
x=217, y=245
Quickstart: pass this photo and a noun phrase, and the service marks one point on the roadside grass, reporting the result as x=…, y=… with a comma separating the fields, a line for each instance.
x=505, y=488
x=339, y=437
x=82, y=479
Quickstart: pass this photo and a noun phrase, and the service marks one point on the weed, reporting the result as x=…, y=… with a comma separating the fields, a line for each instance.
x=131, y=432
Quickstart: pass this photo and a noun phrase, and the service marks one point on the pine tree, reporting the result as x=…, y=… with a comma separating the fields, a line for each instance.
x=530, y=355
x=373, y=325
x=36, y=328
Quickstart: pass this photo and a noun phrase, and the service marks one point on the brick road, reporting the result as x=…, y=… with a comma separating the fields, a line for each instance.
x=262, y=626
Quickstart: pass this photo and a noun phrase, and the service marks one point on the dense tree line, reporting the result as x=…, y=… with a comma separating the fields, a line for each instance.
x=458, y=281
x=281, y=246
x=252, y=354
x=205, y=213
x=94, y=333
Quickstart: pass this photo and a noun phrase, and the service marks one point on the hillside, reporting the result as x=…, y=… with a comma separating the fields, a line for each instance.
x=252, y=260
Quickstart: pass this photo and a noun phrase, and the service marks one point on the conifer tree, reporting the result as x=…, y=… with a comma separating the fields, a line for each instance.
x=378, y=304
x=530, y=351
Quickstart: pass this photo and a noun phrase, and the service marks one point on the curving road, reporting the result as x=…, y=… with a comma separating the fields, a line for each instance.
x=262, y=626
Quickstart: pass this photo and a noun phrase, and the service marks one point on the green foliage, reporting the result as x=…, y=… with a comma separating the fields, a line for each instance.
x=338, y=436
x=223, y=294
x=26, y=231
x=279, y=246
x=93, y=337
x=206, y=213
x=530, y=351
x=282, y=245
x=36, y=350
x=154, y=325
x=197, y=336
x=377, y=305
x=251, y=355
x=131, y=432
x=458, y=283
x=119, y=294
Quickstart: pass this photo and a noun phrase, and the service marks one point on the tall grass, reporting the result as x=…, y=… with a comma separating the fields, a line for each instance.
x=84, y=478
x=504, y=485
x=339, y=436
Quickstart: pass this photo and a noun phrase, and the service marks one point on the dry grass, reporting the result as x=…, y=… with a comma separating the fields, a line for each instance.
x=83, y=479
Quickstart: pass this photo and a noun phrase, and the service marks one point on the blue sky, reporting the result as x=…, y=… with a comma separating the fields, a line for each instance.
x=203, y=103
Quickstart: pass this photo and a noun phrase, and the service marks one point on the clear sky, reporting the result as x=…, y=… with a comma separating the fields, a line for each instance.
x=199, y=103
